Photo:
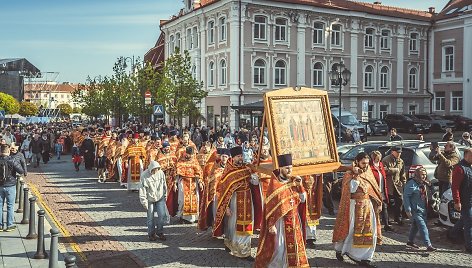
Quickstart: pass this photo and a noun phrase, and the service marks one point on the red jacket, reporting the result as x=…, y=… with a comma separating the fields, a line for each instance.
x=377, y=177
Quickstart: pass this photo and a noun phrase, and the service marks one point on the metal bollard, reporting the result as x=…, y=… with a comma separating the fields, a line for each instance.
x=25, y=209
x=54, y=255
x=20, y=198
x=18, y=193
x=40, y=250
x=32, y=228
x=70, y=261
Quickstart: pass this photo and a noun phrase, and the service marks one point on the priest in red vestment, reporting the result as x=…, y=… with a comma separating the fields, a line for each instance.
x=235, y=210
x=281, y=243
x=134, y=156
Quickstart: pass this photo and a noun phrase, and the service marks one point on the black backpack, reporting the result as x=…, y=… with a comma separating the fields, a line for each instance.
x=5, y=171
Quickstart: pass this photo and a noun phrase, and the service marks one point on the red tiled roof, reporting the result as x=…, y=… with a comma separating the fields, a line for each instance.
x=62, y=88
x=454, y=8
x=156, y=54
x=370, y=8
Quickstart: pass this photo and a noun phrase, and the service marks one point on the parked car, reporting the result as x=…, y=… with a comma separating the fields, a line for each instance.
x=344, y=147
x=448, y=215
x=377, y=127
x=462, y=122
x=437, y=122
x=415, y=155
x=404, y=122
x=348, y=123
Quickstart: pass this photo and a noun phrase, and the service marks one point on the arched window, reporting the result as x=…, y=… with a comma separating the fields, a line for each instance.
x=223, y=72
x=211, y=74
x=384, y=77
x=259, y=72
x=413, y=79
x=171, y=44
x=318, y=74
x=222, y=22
x=280, y=73
x=177, y=40
x=369, y=77
x=211, y=32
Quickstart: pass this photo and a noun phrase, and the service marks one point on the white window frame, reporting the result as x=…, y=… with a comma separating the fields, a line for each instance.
x=320, y=32
x=441, y=100
x=178, y=41
x=383, y=113
x=414, y=43
x=281, y=72
x=369, y=38
x=194, y=72
x=318, y=73
x=223, y=72
x=448, y=59
x=371, y=84
x=458, y=101
x=211, y=32
x=261, y=28
x=171, y=44
x=223, y=29
x=337, y=33
x=416, y=76
x=385, y=39
x=258, y=70
x=281, y=28
x=189, y=37
x=415, y=111
x=211, y=74
x=384, y=78
x=195, y=36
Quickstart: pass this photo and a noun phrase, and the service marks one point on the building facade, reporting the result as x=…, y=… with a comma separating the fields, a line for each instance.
x=241, y=49
x=50, y=95
x=452, y=58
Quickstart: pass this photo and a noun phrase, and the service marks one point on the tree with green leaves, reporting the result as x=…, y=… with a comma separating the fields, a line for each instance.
x=76, y=110
x=65, y=108
x=179, y=91
x=9, y=104
x=28, y=109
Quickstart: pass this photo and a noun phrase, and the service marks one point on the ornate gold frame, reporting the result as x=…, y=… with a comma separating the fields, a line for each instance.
x=322, y=156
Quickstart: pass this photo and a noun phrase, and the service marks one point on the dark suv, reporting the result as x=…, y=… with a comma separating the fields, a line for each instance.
x=462, y=122
x=405, y=123
x=438, y=123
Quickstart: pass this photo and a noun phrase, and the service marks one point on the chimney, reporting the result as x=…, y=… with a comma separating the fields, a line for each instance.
x=432, y=10
x=197, y=3
x=377, y=2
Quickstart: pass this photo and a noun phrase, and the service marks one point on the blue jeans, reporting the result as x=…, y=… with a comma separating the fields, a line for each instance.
x=158, y=207
x=466, y=217
x=9, y=194
x=419, y=224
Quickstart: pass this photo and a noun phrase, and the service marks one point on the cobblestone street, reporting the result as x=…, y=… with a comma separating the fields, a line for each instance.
x=107, y=223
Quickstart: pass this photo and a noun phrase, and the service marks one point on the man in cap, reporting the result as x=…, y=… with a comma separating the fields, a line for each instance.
x=234, y=214
x=396, y=179
x=209, y=196
x=135, y=155
x=187, y=181
x=281, y=243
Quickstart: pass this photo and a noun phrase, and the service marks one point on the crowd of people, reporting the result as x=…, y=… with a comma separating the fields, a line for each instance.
x=209, y=176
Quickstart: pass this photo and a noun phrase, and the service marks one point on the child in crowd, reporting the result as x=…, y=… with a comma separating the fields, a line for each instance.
x=76, y=157
x=101, y=166
x=58, y=149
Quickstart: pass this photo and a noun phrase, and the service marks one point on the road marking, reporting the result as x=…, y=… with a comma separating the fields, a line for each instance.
x=63, y=230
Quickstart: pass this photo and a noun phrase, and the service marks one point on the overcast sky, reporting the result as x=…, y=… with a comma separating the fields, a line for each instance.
x=80, y=38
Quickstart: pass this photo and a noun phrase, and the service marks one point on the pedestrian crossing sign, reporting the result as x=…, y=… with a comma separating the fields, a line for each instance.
x=158, y=110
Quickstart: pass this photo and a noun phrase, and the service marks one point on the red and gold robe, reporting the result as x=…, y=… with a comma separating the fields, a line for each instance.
x=205, y=219
x=134, y=155
x=190, y=173
x=282, y=203
x=368, y=190
x=110, y=155
x=313, y=185
x=168, y=163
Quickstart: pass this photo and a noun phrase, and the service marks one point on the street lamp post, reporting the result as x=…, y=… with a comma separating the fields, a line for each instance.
x=340, y=76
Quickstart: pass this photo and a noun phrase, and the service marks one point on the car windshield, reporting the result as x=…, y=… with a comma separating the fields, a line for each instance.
x=437, y=117
x=349, y=120
x=351, y=154
x=410, y=117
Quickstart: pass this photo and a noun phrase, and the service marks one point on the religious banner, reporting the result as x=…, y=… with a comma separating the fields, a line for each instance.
x=299, y=122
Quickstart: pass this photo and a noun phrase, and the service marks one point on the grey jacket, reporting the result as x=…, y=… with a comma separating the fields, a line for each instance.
x=396, y=177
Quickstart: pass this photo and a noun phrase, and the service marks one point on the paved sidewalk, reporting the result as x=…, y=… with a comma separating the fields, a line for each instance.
x=16, y=251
